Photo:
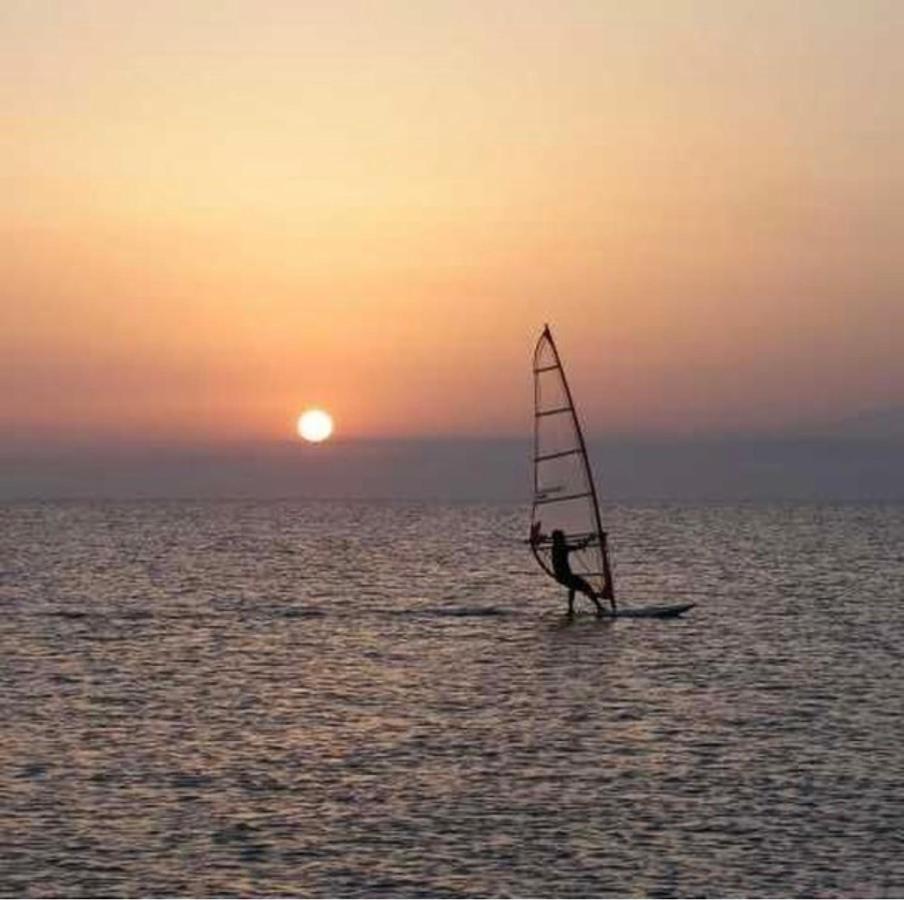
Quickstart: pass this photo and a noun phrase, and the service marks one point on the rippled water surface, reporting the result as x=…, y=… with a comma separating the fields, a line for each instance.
x=384, y=699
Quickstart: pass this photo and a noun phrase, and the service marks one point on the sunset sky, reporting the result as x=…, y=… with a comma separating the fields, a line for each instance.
x=218, y=213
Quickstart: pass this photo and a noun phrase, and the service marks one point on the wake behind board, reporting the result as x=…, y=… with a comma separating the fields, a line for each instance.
x=650, y=612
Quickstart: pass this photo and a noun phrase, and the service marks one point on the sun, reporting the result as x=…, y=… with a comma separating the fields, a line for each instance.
x=315, y=425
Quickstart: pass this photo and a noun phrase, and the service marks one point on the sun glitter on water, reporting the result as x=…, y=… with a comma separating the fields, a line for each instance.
x=315, y=425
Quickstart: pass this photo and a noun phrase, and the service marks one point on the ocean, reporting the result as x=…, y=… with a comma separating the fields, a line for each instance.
x=385, y=699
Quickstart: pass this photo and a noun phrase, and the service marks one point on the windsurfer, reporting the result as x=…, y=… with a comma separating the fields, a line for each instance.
x=562, y=570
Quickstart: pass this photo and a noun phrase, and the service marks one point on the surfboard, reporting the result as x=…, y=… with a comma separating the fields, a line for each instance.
x=650, y=612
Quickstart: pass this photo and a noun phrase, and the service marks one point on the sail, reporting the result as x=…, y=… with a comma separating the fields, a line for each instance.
x=564, y=492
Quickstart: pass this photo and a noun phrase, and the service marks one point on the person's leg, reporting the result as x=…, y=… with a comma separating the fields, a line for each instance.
x=599, y=607
x=570, y=601
x=579, y=584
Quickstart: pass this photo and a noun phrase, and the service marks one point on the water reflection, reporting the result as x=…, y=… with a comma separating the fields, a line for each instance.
x=379, y=699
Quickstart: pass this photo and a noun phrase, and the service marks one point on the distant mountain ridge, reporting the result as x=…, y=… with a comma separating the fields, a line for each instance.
x=851, y=463
x=886, y=423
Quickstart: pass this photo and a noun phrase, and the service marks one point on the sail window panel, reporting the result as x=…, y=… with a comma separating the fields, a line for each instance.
x=556, y=434
x=561, y=477
x=568, y=515
x=551, y=393
x=588, y=565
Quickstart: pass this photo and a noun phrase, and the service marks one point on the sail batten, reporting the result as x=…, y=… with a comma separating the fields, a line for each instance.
x=565, y=495
x=561, y=453
x=563, y=499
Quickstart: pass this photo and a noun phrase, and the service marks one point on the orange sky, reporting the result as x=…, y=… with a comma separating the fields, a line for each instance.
x=217, y=213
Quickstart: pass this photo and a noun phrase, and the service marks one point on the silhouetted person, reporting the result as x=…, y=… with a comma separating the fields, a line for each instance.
x=562, y=571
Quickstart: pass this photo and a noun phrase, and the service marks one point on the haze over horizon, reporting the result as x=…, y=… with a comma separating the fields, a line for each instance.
x=219, y=214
